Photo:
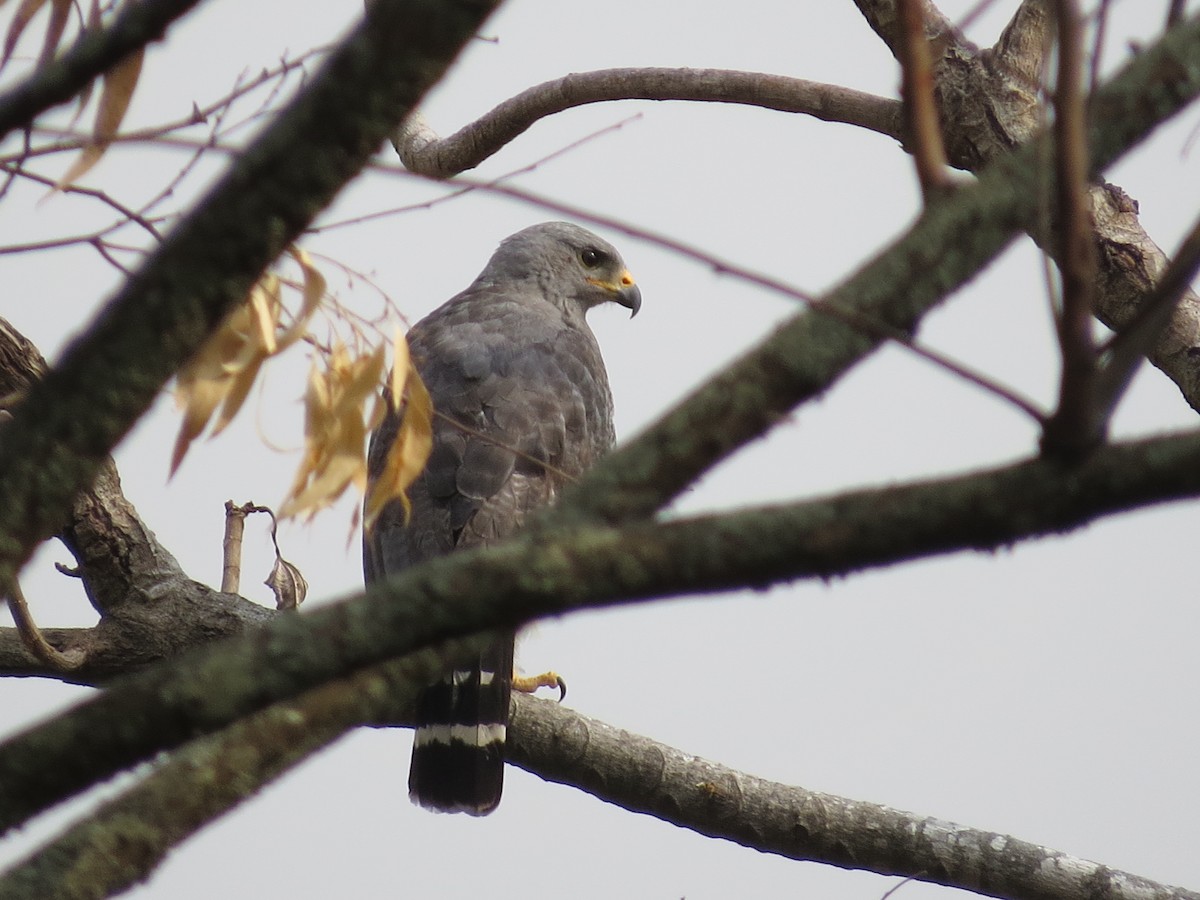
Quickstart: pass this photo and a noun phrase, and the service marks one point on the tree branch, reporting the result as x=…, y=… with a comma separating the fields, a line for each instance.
x=32, y=638
x=423, y=152
x=916, y=87
x=1077, y=424
x=537, y=575
x=95, y=53
x=806, y=354
x=645, y=776
x=990, y=105
x=1127, y=348
x=127, y=837
x=208, y=690
x=1025, y=42
x=211, y=775
x=122, y=566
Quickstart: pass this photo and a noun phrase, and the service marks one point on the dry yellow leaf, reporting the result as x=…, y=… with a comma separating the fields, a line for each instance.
x=60, y=13
x=222, y=373
x=401, y=366
x=85, y=95
x=334, y=430
x=21, y=18
x=312, y=292
x=119, y=83
x=414, y=440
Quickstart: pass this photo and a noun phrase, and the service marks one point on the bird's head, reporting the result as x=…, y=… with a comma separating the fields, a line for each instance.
x=574, y=268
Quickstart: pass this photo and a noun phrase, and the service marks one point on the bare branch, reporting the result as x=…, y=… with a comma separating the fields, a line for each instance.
x=96, y=52
x=32, y=638
x=916, y=70
x=1101, y=16
x=1076, y=426
x=645, y=776
x=422, y=151
x=550, y=572
x=231, y=547
x=884, y=18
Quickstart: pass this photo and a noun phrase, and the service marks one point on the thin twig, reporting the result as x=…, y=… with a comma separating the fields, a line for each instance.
x=131, y=215
x=32, y=638
x=1098, y=44
x=1076, y=426
x=724, y=267
x=920, y=107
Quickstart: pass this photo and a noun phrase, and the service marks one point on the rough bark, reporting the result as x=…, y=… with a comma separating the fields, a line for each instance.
x=151, y=611
x=989, y=106
x=645, y=776
x=542, y=574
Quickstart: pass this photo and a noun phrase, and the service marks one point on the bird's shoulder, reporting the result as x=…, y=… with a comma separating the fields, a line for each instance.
x=492, y=333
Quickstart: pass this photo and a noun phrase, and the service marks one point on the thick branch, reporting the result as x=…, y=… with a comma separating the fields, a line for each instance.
x=150, y=609
x=422, y=151
x=1025, y=42
x=593, y=566
x=645, y=776
x=108, y=378
x=136, y=25
x=209, y=690
x=117, y=554
x=126, y=838
x=990, y=105
x=951, y=241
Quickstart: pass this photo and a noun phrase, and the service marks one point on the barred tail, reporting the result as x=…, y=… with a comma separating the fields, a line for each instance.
x=458, y=749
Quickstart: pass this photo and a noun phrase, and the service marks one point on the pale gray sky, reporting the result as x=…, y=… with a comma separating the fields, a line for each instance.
x=1045, y=691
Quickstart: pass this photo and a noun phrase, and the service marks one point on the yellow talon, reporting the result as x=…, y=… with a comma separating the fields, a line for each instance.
x=527, y=684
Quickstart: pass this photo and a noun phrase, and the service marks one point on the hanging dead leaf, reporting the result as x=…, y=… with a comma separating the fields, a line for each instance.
x=21, y=18
x=311, y=294
x=118, y=85
x=60, y=13
x=288, y=585
x=410, y=450
x=85, y=95
x=335, y=432
x=222, y=373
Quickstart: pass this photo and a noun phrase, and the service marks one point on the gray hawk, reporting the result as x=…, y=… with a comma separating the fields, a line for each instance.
x=521, y=407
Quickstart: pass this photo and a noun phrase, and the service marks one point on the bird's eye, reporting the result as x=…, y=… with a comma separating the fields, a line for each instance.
x=591, y=257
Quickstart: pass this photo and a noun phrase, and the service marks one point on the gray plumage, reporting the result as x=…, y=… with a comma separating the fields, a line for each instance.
x=522, y=405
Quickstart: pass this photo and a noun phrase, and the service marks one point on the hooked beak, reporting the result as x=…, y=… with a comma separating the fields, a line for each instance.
x=629, y=295
x=626, y=292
